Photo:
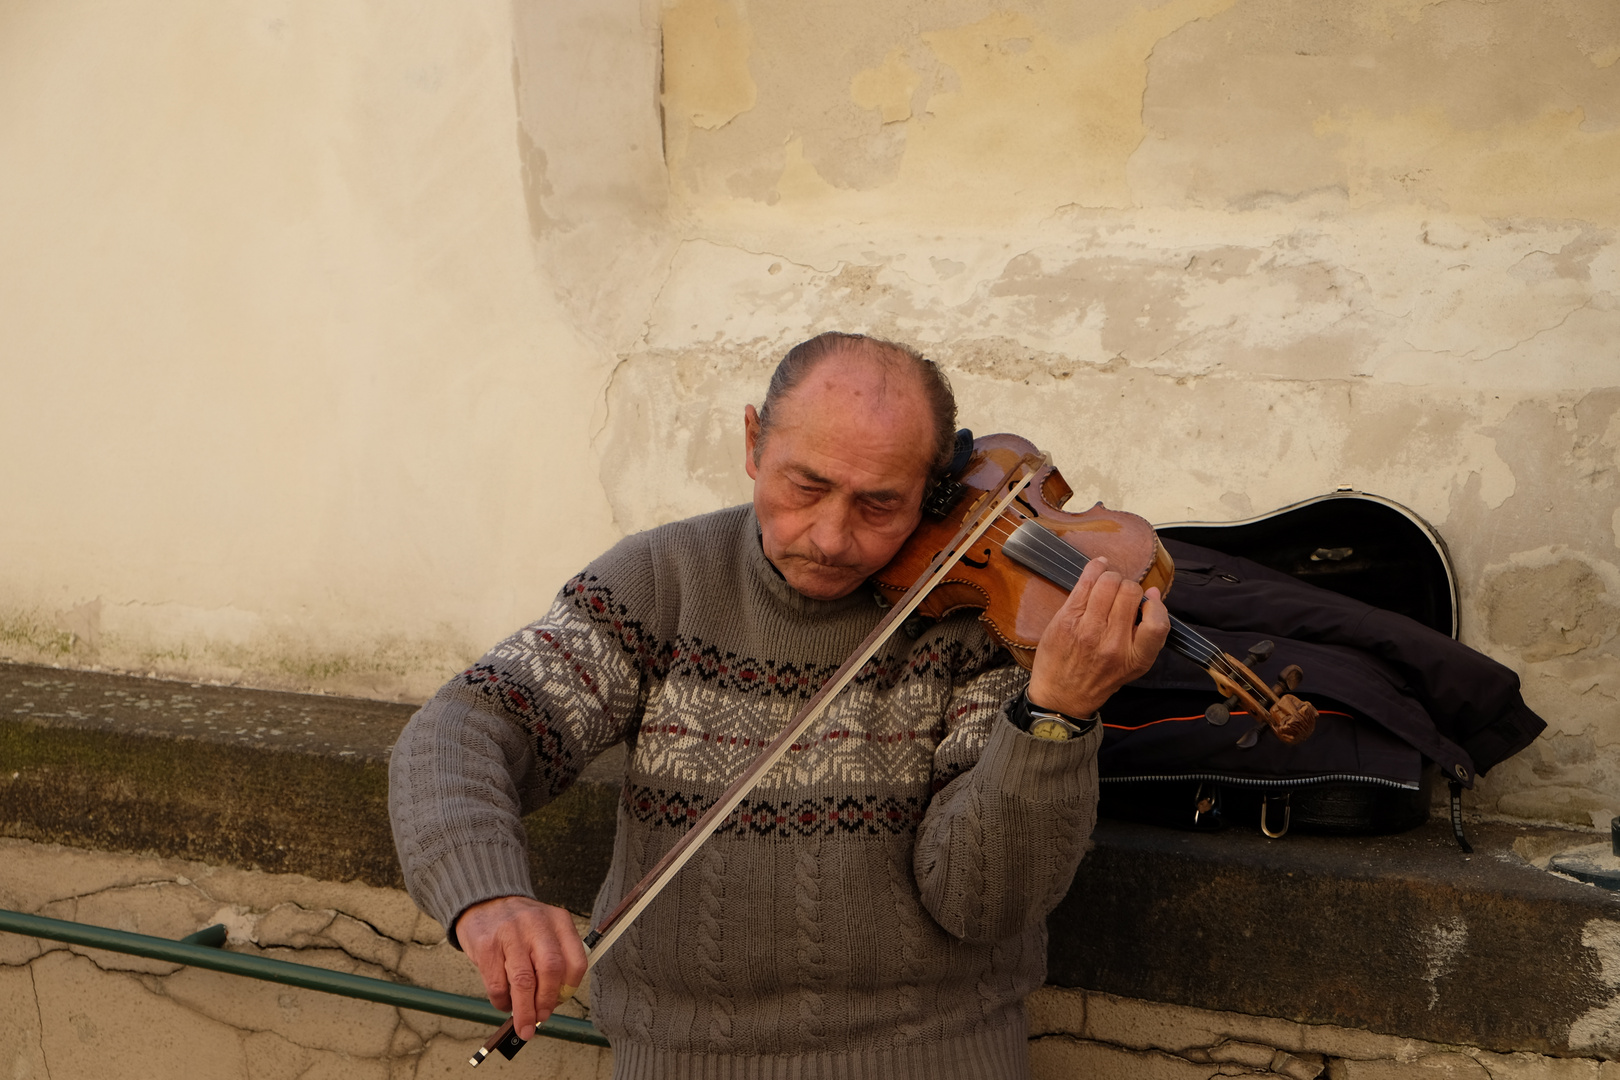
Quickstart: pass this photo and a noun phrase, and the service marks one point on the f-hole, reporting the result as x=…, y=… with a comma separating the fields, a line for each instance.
x=978, y=565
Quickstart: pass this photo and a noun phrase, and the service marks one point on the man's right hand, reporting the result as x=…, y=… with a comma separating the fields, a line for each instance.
x=526, y=953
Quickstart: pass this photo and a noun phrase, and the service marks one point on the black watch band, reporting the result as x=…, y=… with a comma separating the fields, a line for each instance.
x=1047, y=724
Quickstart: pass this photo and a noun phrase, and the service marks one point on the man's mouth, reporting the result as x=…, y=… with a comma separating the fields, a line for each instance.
x=822, y=564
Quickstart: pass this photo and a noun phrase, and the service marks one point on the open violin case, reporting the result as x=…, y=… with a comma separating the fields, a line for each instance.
x=1359, y=592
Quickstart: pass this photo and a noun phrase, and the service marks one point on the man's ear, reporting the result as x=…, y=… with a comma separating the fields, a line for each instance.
x=750, y=440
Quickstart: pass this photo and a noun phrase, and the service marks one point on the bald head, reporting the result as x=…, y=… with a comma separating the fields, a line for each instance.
x=897, y=368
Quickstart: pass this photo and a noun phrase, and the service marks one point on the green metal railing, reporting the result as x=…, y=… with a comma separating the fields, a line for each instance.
x=202, y=950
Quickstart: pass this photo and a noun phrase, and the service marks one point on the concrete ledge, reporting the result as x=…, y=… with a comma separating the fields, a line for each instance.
x=287, y=783
x=1404, y=936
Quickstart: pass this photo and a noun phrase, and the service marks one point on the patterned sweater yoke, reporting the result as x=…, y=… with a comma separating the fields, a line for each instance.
x=875, y=907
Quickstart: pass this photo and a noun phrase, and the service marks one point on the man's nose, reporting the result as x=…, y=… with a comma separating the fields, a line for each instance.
x=832, y=531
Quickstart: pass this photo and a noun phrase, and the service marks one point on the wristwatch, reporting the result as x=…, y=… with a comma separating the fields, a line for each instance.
x=1046, y=724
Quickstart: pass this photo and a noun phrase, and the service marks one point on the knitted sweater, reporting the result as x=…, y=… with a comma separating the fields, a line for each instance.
x=874, y=908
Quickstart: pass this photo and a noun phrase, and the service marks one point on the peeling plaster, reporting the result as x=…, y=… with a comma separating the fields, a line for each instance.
x=1442, y=944
x=1508, y=169
x=888, y=88
x=1262, y=296
x=241, y=926
x=1039, y=103
x=1013, y=112
x=706, y=78
x=1063, y=113
x=1570, y=777
x=536, y=187
x=1551, y=603
x=1442, y=107
x=1600, y=1026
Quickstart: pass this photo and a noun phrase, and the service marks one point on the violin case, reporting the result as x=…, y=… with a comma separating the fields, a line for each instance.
x=1359, y=592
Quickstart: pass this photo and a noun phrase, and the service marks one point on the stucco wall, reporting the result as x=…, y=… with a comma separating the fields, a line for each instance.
x=285, y=395
x=335, y=336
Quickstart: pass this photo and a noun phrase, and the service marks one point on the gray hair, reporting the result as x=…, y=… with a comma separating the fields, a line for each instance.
x=803, y=358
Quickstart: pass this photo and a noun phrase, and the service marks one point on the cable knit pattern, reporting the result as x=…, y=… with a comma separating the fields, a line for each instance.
x=634, y=1007
x=908, y=940
x=710, y=948
x=873, y=909
x=808, y=946
x=975, y=884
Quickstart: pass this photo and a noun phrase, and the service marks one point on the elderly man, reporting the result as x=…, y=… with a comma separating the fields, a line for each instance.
x=876, y=906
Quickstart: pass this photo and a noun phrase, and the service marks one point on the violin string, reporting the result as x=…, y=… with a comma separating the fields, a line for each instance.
x=1061, y=561
x=1198, y=647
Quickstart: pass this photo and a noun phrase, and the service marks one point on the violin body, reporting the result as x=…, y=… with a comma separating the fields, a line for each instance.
x=1015, y=604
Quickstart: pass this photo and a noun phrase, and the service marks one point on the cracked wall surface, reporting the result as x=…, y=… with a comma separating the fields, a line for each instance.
x=1217, y=257
x=76, y=1012
x=332, y=348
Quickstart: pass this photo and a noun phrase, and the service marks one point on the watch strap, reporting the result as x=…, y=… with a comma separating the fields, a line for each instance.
x=1047, y=723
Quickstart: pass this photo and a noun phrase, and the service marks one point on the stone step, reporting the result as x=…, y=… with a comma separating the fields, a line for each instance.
x=1402, y=935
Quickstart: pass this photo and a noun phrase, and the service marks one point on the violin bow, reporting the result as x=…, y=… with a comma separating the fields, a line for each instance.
x=616, y=922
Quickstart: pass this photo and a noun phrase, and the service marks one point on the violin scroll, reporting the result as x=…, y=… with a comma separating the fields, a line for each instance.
x=1293, y=720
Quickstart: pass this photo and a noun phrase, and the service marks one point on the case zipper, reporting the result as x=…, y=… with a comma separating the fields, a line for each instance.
x=1241, y=781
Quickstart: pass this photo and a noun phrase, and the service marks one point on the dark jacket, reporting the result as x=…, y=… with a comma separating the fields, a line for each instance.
x=1456, y=706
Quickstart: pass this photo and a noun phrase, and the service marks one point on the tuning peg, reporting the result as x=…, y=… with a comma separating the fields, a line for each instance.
x=1288, y=679
x=1220, y=712
x=1260, y=653
x=1250, y=739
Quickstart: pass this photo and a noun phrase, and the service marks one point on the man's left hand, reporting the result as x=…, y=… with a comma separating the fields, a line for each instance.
x=1095, y=644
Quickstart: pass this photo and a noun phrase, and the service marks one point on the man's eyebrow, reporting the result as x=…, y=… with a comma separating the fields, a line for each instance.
x=879, y=495
x=882, y=495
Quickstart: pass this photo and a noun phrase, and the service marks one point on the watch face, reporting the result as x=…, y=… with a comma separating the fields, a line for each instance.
x=1055, y=730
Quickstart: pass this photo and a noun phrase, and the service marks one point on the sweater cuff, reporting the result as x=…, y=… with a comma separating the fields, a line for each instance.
x=1040, y=770
x=471, y=874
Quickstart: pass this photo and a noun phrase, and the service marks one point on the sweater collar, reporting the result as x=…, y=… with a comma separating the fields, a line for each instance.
x=769, y=580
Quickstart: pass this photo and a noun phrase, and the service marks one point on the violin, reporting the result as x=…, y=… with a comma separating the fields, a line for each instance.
x=1021, y=570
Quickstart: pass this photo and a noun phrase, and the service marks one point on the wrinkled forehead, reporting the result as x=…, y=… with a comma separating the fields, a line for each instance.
x=865, y=377
x=856, y=423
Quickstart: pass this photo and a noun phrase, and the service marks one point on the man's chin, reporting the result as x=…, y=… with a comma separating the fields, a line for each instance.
x=823, y=582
